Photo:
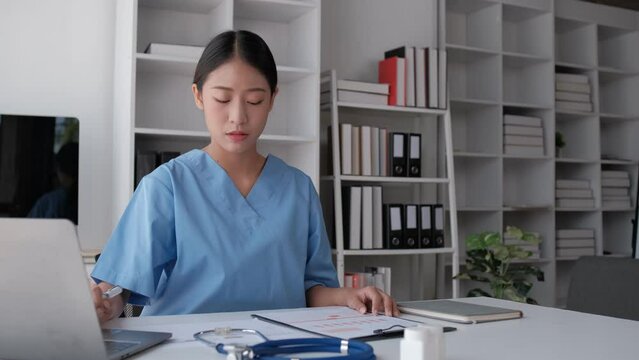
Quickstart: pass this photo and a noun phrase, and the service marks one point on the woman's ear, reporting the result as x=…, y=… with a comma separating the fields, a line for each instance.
x=197, y=97
x=277, y=89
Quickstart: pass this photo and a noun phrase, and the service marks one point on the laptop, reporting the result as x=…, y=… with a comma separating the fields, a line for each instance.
x=46, y=308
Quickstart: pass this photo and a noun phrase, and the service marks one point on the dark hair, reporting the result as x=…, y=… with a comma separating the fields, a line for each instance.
x=248, y=46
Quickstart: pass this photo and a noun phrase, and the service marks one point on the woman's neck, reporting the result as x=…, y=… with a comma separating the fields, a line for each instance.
x=243, y=168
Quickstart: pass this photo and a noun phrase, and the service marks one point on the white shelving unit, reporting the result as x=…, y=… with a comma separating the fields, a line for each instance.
x=153, y=100
x=410, y=118
x=539, y=38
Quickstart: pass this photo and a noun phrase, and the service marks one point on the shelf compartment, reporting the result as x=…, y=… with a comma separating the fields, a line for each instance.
x=575, y=43
x=472, y=75
x=541, y=222
x=528, y=82
x=526, y=183
x=190, y=22
x=526, y=30
x=547, y=124
x=614, y=92
x=476, y=128
x=618, y=141
x=475, y=223
x=581, y=135
x=617, y=48
x=617, y=232
x=472, y=23
x=477, y=182
x=286, y=26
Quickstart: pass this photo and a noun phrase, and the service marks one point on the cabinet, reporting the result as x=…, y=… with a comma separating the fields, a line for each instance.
x=405, y=190
x=154, y=108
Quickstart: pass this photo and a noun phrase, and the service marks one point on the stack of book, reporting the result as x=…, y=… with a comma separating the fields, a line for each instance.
x=523, y=135
x=615, y=189
x=363, y=217
x=184, y=51
x=378, y=276
x=363, y=149
x=573, y=92
x=575, y=242
x=574, y=193
x=524, y=245
x=357, y=92
x=417, y=76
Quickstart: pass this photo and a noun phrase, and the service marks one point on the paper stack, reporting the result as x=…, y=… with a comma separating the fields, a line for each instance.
x=523, y=135
x=573, y=92
x=574, y=193
x=575, y=242
x=615, y=189
x=358, y=92
x=524, y=245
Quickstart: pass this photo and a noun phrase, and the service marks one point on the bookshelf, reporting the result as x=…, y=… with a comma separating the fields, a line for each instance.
x=539, y=38
x=153, y=100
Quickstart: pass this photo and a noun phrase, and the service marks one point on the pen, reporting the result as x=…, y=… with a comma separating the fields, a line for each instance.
x=112, y=292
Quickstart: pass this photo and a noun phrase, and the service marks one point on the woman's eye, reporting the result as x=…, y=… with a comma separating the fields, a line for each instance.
x=223, y=101
x=255, y=102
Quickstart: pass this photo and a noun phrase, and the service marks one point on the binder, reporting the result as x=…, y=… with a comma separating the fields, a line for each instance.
x=398, y=161
x=415, y=155
x=352, y=216
x=393, y=235
x=425, y=229
x=438, y=226
x=367, y=217
x=411, y=231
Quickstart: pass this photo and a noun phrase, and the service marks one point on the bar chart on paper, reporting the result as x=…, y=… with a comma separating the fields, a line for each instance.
x=337, y=321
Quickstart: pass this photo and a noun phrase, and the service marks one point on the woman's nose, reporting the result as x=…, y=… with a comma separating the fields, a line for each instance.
x=237, y=112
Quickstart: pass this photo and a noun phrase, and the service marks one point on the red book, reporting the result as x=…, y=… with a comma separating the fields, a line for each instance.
x=392, y=71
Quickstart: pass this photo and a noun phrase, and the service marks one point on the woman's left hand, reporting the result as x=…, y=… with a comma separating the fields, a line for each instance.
x=371, y=299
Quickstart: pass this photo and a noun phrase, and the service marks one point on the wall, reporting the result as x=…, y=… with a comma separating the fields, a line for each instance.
x=57, y=59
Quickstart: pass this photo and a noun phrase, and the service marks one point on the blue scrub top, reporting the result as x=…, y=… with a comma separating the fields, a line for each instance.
x=189, y=242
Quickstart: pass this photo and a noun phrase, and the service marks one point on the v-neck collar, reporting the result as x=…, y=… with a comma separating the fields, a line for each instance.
x=261, y=191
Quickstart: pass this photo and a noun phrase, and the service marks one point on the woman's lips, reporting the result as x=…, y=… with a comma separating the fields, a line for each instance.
x=237, y=136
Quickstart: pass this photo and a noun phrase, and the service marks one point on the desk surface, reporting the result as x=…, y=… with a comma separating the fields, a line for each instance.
x=543, y=333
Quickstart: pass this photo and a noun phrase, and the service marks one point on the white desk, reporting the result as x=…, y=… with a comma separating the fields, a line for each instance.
x=543, y=333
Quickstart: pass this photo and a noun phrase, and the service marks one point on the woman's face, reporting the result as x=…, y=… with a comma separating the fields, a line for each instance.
x=236, y=100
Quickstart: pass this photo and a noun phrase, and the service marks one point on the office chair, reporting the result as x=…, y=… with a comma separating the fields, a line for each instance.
x=605, y=286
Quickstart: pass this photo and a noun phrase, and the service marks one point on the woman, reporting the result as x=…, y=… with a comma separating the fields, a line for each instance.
x=224, y=228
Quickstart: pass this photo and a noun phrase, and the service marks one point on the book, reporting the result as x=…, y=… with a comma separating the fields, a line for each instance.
x=365, y=151
x=408, y=53
x=571, y=252
x=523, y=130
x=616, y=203
x=186, y=51
x=392, y=71
x=432, y=59
x=352, y=214
x=572, y=184
x=442, y=79
x=574, y=193
x=573, y=105
x=457, y=311
x=521, y=120
x=523, y=140
x=375, y=151
x=367, y=217
x=346, y=141
x=572, y=78
x=421, y=79
x=366, y=87
x=522, y=150
x=572, y=87
x=378, y=218
x=355, y=150
x=569, y=96
x=358, y=97
x=383, y=152
x=576, y=242
x=610, y=191
x=615, y=174
x=615, y=182
x=575, y=233
x=575, y=203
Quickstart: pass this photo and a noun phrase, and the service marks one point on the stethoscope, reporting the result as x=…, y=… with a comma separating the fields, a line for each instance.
x=269, y=349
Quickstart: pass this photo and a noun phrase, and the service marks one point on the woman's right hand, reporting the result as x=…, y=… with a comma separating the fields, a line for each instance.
x=106, y=309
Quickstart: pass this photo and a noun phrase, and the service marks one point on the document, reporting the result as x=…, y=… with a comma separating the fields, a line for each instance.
x=337, y=321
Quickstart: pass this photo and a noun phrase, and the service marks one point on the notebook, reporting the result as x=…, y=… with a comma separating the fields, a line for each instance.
x=457, y=311
x=48, y=312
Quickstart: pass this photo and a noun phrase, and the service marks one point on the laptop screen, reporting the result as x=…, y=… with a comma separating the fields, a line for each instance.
x=39, y=167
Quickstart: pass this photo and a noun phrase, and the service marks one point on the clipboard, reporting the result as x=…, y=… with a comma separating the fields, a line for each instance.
x=340, y=322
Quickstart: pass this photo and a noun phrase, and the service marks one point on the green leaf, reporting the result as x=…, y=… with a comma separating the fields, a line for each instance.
x=478, y=292
x=514, y=232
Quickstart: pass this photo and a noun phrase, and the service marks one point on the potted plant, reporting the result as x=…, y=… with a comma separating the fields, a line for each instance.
x=490, y=261
x=559, y=143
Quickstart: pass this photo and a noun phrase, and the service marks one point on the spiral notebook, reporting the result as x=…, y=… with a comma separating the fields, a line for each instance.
x=457, y=311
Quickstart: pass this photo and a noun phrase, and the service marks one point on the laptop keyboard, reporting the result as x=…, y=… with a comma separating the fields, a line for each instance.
x=117, y=346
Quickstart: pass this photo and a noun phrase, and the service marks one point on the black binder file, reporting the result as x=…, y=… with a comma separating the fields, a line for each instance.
x=411, y=232
x=425, y=229
x=438, y=226
x=393, y=236
x=415, y=155
x=398, y=154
